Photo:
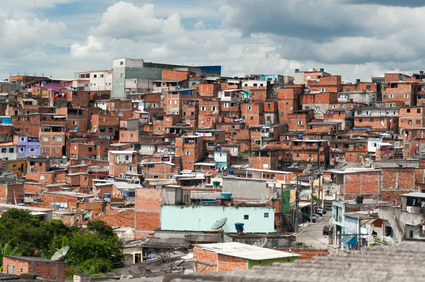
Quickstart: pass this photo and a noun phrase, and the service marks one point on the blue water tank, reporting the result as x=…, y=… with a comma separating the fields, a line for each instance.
x=208, y=201
x=322, y=69
x=226, y=195
x=300, y=137
x=231, y=171
x=401, y=79
x=216, y=183
x=421, y=72
x=107, y=195
x=297, y=70
x=239, y=226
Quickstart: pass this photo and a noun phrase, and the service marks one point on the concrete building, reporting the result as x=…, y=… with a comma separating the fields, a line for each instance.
x=126, y=70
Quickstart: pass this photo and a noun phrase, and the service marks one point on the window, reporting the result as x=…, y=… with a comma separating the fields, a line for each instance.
x=94, y=75
x=187, y=153
x=203, y=108
x=391, y=96
x=11, y=150
x=300, y=122
x=371, y=120
x=3, y=150
x=249, y=108
x=32, y=150
x=408, y=110
x=246, y=216
x=266, y=215
x=59, y=139
x=213, y=108
x=406, y=95
x=409, y=121
x=110, y=129
x=102, y=129
x=22, y=139
x=21, y=150
x=252, y=118
x=418, y=121
x=269, y=106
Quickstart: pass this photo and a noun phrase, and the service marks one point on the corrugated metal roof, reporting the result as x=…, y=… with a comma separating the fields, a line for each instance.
x=245, y=251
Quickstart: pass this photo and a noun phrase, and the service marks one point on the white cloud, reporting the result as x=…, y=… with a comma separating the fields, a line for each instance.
x=125, y=20
x=200, y=25
x=21, y=35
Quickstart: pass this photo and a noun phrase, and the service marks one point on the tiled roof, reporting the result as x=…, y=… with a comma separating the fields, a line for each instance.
x=402, y=262
x=121, y=218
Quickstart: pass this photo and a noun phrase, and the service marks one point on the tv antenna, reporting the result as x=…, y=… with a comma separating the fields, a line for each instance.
x=261, y=242
x=60, y=253
x=219, y=223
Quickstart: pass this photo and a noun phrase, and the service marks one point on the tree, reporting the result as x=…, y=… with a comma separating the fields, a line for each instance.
x=101, y=228
x=95, y=249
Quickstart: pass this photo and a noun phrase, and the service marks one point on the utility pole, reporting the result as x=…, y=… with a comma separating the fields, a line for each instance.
x=281, y=207
x=297, y=202
x=311, y=196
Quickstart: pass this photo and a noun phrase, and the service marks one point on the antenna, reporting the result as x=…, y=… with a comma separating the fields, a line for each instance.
x=261, y=242
x=60, y=253
x=219, y=223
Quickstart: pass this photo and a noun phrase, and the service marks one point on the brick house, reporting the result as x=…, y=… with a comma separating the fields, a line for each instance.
x=288, y=101
x=228, y=256
x=398, y=88
x=43, y=268
x=297, y=120
x=355, y=182
x=190, y=149
x=122, y=162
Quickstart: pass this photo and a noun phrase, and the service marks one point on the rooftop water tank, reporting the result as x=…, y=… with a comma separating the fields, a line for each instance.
x=226, y=195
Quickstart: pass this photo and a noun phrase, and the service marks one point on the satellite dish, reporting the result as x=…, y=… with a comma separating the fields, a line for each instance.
x=261, y=242
x=219, y=223
x=60, y=253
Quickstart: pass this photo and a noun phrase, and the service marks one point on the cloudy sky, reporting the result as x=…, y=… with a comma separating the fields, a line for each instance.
x=352, y=38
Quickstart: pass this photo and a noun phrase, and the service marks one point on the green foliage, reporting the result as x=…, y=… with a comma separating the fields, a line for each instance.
x=101, y=229
x=380, y=241
x=93, y=250
x=299, y=244
x=247, y=152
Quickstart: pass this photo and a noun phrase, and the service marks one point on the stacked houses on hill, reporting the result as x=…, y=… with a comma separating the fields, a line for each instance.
x=181, y=147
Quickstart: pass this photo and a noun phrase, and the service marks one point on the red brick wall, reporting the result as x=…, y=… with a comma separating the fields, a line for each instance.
x=147, y=214
x=361, y=183
x=204, y=256
x=228, y=263
x=173, y=74
x=45, y=270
